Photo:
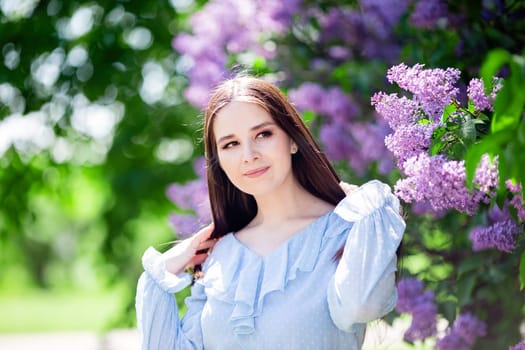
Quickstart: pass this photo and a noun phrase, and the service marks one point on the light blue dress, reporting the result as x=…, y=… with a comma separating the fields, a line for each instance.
x=297, y=297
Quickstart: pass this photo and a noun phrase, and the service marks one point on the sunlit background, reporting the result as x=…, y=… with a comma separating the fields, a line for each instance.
x=101, y=152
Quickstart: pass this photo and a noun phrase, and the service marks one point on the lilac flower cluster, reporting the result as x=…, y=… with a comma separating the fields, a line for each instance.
x=430, y=177
x=433, y=89
x=343, y=138
x=501, y=232
x=427, y=13
x=517, y=199
x=332, y=103
x=420, y=304
x=368, y=30
x=191, y=197
x=463, y=333
x=519, y=346
x=476, y=92
x=222, y=27
x=434, y=180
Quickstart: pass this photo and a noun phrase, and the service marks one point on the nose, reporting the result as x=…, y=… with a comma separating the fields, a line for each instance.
x=249, y=153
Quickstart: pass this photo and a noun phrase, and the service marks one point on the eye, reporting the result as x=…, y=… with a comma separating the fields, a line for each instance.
x=264, y=134
x=230, y=145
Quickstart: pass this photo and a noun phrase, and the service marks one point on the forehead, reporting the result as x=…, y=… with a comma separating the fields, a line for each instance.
x=238, y=117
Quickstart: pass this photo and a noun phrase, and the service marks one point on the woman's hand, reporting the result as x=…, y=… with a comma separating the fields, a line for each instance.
x=189, y=252
x=347, y=188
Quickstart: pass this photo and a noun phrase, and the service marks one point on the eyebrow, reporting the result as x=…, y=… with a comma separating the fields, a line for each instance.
x=256, y=127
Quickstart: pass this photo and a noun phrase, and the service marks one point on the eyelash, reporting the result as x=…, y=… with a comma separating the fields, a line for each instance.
x=263, y=134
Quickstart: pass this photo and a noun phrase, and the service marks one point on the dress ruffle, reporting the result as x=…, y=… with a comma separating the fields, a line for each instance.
x=154, y=265
x=365, y=200
x=254, y=276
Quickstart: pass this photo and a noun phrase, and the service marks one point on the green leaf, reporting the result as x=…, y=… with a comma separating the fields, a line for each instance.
x=521, y=133
x=470, y=263
x=503, y=121
x=447, y=111
x=465, y=286
x=308, y=117
x=468, y=131
x=492, y=64
x=491, y=144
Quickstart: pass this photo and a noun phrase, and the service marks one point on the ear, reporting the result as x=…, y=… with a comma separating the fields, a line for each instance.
x=293, y=148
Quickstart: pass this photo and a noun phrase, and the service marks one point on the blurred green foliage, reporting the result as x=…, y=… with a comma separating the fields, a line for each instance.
x=83, y=220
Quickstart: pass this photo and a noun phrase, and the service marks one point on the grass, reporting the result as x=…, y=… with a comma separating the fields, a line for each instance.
x=39, y=311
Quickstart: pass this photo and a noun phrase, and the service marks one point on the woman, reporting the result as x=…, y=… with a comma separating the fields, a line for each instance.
x=295, y=264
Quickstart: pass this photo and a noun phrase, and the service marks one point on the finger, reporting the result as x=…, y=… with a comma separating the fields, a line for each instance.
x=198, y=259
x=201, y=236
x=206, y=244
x=205, y=232
x=347, y=188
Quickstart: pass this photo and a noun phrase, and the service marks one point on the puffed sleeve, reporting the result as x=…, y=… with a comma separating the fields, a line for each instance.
x=363, y=286
x=156, y=307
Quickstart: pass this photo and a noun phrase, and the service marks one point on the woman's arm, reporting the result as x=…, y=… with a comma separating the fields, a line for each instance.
x=157, y=312
x=363, y=286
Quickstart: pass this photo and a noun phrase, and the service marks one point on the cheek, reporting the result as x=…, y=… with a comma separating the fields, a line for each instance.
x=226, y=162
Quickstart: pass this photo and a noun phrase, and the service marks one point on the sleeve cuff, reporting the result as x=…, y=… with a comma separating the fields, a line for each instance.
x=156, y=268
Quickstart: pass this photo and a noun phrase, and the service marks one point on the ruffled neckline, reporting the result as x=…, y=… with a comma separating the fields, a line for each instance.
x=236, y=275
x=283, y=245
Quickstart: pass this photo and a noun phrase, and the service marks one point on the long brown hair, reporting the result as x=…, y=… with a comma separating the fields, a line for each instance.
x=233, y=209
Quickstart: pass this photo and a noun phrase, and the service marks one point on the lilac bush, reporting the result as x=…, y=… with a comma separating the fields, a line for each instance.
x=328, y=59
x=412, y=299
x=192, y=198
x=437, y=179
x=430, y=133
x=519, y=346
x=463, y=333
x=222, y=27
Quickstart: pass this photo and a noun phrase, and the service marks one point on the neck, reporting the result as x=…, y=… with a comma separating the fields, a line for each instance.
x=288, y=203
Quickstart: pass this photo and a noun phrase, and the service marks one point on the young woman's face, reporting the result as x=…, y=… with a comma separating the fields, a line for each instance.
x=254, y=152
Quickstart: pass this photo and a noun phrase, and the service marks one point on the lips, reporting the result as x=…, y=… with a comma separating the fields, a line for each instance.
x=256, y=172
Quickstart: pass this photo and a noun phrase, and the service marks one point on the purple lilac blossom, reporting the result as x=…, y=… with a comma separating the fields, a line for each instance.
x=412, y=299
x=463, y=333
x=434, y=88
x=369, y=138
x=469, y=327
x=517, y=199
x=452, y=341
x=486, y=176
x=519, y=346
x=476, y=92
x=192, y=197
x=424, y=207
x=336, y=141
x=397, y=111
x=338, y=105
x=500, y=235
x=427, y=13
x=228, y=26
x=408, y=141
x=379, y=20
x=332, y=103
x=368, y=30
x=358, y=143
x=430, y=177
x=307, y=97
x=340, y=24
x=389, y=11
